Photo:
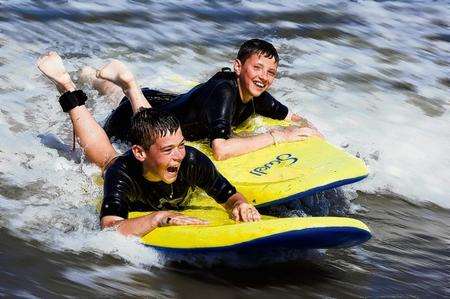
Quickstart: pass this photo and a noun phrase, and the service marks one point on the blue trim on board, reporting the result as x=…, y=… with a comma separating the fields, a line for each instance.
x=310, y=192
x=310, y=238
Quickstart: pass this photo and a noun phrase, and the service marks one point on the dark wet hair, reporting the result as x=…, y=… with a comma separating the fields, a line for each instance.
x=257, y=46
x=148, y=124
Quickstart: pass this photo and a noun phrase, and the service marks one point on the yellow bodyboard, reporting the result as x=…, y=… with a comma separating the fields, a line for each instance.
x=287, y=171
x=223, y=233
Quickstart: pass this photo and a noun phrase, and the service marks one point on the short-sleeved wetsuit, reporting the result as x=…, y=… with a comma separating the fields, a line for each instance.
x=125, y=188
x=209, y=110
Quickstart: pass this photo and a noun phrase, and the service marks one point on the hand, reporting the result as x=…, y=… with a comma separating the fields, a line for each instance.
x=240, y=209
x=302, y=122
x=294, y=133
x=311, y=131
x=243, y=211
x=166, y=218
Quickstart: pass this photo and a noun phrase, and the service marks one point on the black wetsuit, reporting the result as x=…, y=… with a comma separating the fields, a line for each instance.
x=125, y=188
x=209, y=110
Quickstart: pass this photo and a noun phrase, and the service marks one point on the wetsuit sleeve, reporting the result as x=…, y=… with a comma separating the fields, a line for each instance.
x=202, y=173
x=267, y=105
x=116, y=191
x=219, y=111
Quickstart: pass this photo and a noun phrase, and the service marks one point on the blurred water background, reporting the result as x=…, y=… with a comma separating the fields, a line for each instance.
x=374, y=76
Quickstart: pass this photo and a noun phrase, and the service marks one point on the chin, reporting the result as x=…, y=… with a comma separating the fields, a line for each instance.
x=170, y=180
x=257, y=93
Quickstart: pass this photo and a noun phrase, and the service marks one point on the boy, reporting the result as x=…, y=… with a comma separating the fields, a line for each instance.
x=155, y=174
x=210, y=109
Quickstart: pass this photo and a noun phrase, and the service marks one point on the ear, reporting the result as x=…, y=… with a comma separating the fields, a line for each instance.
x=139, y=153
x=237, y=65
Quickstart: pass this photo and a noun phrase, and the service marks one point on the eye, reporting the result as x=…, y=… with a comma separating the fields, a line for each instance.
x=271, y=73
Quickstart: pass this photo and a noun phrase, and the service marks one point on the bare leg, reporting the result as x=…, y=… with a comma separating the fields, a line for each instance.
x=91, y=136
x=104, y=87
x=117, y=73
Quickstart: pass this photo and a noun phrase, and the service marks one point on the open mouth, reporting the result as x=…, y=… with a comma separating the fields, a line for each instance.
x=172, y=169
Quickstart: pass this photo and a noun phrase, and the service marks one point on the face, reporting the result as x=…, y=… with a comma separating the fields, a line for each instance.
x=163, y=158
x=255, y=75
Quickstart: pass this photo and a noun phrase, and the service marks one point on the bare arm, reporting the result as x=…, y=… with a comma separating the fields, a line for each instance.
x=236, y=146
x=227, y=148
x=236, y=205
x=141, y=226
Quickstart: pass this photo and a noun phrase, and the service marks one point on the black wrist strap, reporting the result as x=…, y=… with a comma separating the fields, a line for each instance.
x=72, y=99
x=81, y=97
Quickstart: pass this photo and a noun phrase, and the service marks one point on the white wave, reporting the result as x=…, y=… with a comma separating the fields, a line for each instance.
x=112, y=280
x=404, y=144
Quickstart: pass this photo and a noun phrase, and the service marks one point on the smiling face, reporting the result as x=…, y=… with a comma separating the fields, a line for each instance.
x=255, y=75
x=161, y=162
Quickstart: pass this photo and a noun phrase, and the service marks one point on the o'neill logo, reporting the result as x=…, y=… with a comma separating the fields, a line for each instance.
x=262, y=170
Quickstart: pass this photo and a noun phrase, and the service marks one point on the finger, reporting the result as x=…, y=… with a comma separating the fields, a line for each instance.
x=191, y=220
x=257, y=215
x=185, y=220
x=194, y=222
x=235, y=214
x=178, y=221
x=252, y=215
x=248, y=214
x=199, y=221
x=244, y=214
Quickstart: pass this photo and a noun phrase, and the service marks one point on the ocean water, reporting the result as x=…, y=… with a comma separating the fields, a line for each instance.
x=373, y=76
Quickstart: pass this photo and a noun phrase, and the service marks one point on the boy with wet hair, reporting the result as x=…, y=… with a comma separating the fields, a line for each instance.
x=156, y=173
x=259, y=47
x=211, y=109
x=150, y=125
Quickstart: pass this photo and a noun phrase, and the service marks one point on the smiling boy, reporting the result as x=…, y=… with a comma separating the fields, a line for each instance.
x=211, y=109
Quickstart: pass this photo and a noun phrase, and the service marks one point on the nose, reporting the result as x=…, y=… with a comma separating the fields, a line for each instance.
x=264, y=76
x=178, y=154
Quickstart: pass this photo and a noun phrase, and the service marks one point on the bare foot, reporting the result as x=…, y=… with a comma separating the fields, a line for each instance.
x=87, y=74
x=117, y=73
x=52, y=67
x=114, y=93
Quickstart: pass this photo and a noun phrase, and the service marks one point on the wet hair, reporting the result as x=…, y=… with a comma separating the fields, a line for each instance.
x=148, y=124
x=257, y=46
